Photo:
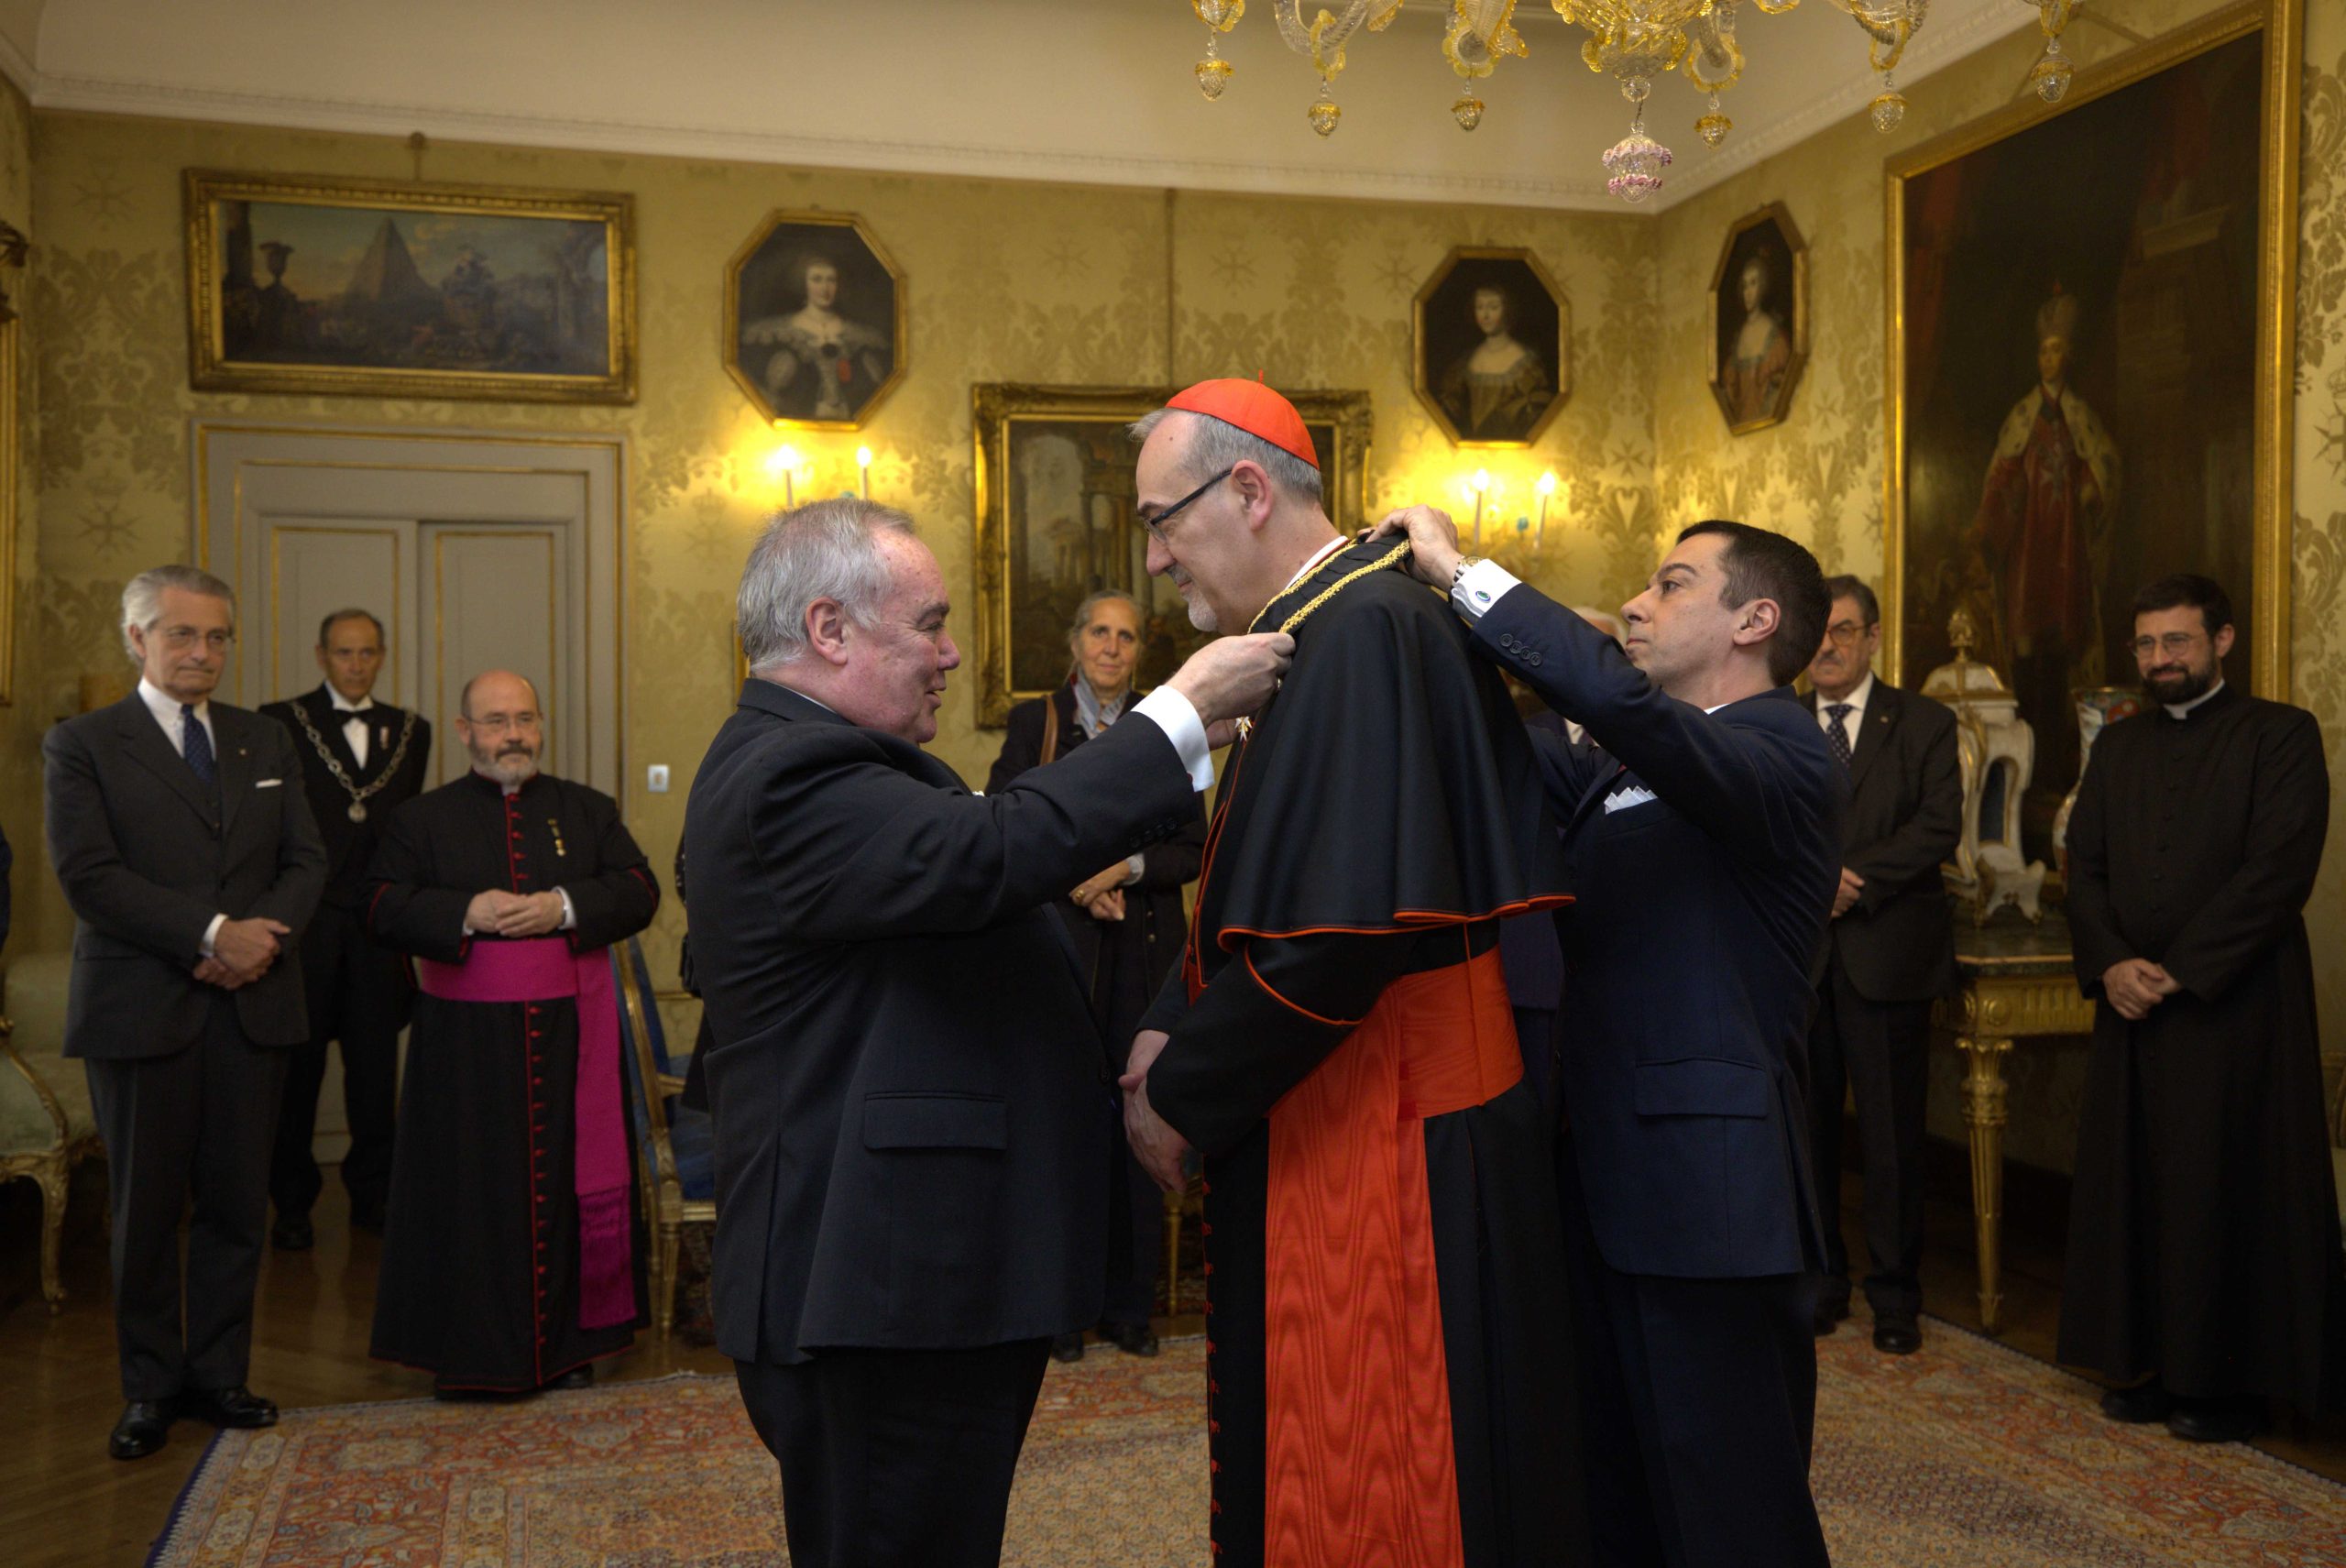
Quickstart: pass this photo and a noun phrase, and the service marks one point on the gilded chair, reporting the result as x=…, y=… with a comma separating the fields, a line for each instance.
x=46, y=1121
x=675, y=1171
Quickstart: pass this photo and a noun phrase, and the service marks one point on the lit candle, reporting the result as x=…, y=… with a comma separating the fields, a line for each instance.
x=863, y=469
x=1482, y=487
x=1547, y=488
x=782, y=463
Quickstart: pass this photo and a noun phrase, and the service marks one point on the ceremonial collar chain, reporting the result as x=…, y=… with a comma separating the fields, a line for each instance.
x=1392, y=557
x=359, y=796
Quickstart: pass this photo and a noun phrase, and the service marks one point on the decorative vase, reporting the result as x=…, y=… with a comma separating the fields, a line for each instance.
x=2097, y=707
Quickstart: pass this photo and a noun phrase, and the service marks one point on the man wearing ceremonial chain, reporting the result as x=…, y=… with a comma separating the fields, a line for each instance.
x=360, y=758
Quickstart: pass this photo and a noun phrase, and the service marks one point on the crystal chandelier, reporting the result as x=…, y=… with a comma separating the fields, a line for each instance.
x=1634, y=41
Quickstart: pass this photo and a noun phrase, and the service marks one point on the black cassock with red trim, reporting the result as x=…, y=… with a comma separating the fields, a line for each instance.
x=481, y=1275
x=1387, y=1335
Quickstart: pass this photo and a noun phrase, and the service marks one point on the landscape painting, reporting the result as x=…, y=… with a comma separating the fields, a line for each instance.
x=409, y=290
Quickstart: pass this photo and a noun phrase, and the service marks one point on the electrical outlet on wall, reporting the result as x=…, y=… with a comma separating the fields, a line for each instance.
x=655, y=778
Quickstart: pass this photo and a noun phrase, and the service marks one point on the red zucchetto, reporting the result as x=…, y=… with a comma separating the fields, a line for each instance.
x=1252, y=408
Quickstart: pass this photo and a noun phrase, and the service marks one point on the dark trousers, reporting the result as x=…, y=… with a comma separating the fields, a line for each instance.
x=1880, y=1052
x=1698, y=1405
x=896, y=1457
x=1136, y=1241
x=358, y=996
x=1535, y=1035
x=192, y=1124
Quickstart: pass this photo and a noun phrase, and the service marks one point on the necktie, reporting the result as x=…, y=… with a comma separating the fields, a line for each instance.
x=1837, y=732
x=354, y=729
x=198, y=745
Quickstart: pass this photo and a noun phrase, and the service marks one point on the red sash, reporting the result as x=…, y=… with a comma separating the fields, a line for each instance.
x=543, y=969
x=1359, y=1464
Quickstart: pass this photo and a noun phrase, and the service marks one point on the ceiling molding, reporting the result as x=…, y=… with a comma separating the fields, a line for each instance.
x=167, y=100
x=1928, y=52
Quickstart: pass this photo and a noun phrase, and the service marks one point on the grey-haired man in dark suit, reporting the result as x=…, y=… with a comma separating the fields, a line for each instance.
x=178, y=830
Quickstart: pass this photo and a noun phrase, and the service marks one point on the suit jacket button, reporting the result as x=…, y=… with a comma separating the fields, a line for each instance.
x=1532, y=658
x=1506, y=639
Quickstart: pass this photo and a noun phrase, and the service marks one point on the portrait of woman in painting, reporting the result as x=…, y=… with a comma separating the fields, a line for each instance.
x=1497, y=390
x=815, y=323
x=1758, y=337
x=1491, y=335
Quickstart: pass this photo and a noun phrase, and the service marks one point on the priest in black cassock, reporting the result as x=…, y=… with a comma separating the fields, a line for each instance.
x=1387, y=1359
x=2204, y=1269
x=511, y=1261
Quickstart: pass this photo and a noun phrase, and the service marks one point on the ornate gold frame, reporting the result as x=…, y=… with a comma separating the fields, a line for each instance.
x=1419, y=380
x=13, y=247
x=1775, y=212
x=997, y=406
x=2282, y=22
x=211, y=370
x=728, y=344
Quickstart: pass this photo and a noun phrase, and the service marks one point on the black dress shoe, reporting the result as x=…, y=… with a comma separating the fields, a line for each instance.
x=1897, y=1336
x=2215, y=1420
x=143, y=1427
x=236, y=1406
x=1829, y=1311
x=293, y=1232
x=577, y=1377
x=1133, y=1339
x=1068, y=1347
x=368, y=1217
x=2145, y=1402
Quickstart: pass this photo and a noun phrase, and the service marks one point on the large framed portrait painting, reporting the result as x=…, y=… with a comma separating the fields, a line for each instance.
x=815, y=319
x=2089, y=364
x=1055, y=523
x=1758, y=319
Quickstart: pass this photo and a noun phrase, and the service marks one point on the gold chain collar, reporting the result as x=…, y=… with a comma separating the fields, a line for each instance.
x=1303, y=612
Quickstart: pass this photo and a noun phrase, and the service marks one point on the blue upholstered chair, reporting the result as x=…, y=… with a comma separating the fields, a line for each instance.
x=673, y=1148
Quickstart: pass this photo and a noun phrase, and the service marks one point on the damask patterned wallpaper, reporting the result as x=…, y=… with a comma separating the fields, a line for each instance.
x=1818, y=476
x=1008, y=281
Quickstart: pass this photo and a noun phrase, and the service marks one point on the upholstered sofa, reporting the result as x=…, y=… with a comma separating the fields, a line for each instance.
x=45, y=1124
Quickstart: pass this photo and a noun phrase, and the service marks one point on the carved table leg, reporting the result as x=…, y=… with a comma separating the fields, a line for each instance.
x=1984, y=1114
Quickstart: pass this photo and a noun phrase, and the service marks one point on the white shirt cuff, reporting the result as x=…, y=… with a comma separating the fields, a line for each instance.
x=1174, y=714
x=569, y=912
x=1479, y=587
x=211, y=936
x=1136, y=866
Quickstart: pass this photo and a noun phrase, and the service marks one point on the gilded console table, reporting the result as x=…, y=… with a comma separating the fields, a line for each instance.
x=2018, y=981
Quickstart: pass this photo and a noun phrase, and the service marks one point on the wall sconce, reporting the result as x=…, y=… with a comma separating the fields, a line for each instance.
x=863, y=470
x=1482, y=493
x=781, y=464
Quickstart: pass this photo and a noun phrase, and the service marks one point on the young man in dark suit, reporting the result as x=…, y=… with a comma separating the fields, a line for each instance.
x=1888, y=953
x=359, y=759
x=912, y=1167
x=179, y=831
x=1702, y=841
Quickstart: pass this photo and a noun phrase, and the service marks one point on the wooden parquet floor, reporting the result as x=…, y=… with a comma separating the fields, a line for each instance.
x=64, y=1504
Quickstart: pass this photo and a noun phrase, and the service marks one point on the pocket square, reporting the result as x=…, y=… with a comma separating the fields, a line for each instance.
x=267, y=784
x=1623, y=798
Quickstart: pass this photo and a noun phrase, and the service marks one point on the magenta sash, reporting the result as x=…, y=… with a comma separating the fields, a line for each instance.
x=543, y=969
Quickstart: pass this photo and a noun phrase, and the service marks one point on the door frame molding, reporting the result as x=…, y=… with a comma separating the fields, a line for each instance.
x=224, y=453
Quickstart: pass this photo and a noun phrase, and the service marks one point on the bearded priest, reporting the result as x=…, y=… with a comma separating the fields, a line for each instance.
x=1386, y=1362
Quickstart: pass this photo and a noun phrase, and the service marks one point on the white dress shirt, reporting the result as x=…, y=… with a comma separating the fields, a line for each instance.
x=354, y=728
x=166, y=710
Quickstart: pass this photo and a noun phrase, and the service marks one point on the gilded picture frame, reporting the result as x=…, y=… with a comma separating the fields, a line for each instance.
x=13, y=248
x=828, y=269
x=404, y=290
x=1054, y=500
x=2176, y=282
x=1507, y=402
x=1758, y=342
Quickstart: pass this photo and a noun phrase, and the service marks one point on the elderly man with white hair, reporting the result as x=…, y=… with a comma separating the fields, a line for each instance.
x=185, y=846
x=912, y=1167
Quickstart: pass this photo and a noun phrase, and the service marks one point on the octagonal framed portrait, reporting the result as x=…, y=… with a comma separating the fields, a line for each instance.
x=1491, y=342
x=814, y=315
x=1759, y=341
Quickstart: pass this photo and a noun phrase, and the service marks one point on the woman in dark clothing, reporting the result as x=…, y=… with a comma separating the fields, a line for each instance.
x=1127, y=926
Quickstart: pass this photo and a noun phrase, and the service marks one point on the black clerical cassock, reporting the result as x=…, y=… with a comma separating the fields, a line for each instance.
x=2203, y=1231
x=502, y=1268
x=1386, y=1343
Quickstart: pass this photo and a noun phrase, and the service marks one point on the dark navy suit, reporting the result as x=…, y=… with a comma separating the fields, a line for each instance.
x=1704, y=850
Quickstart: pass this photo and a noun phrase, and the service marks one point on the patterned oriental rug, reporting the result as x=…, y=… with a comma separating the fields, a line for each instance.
x=1965, y=1454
